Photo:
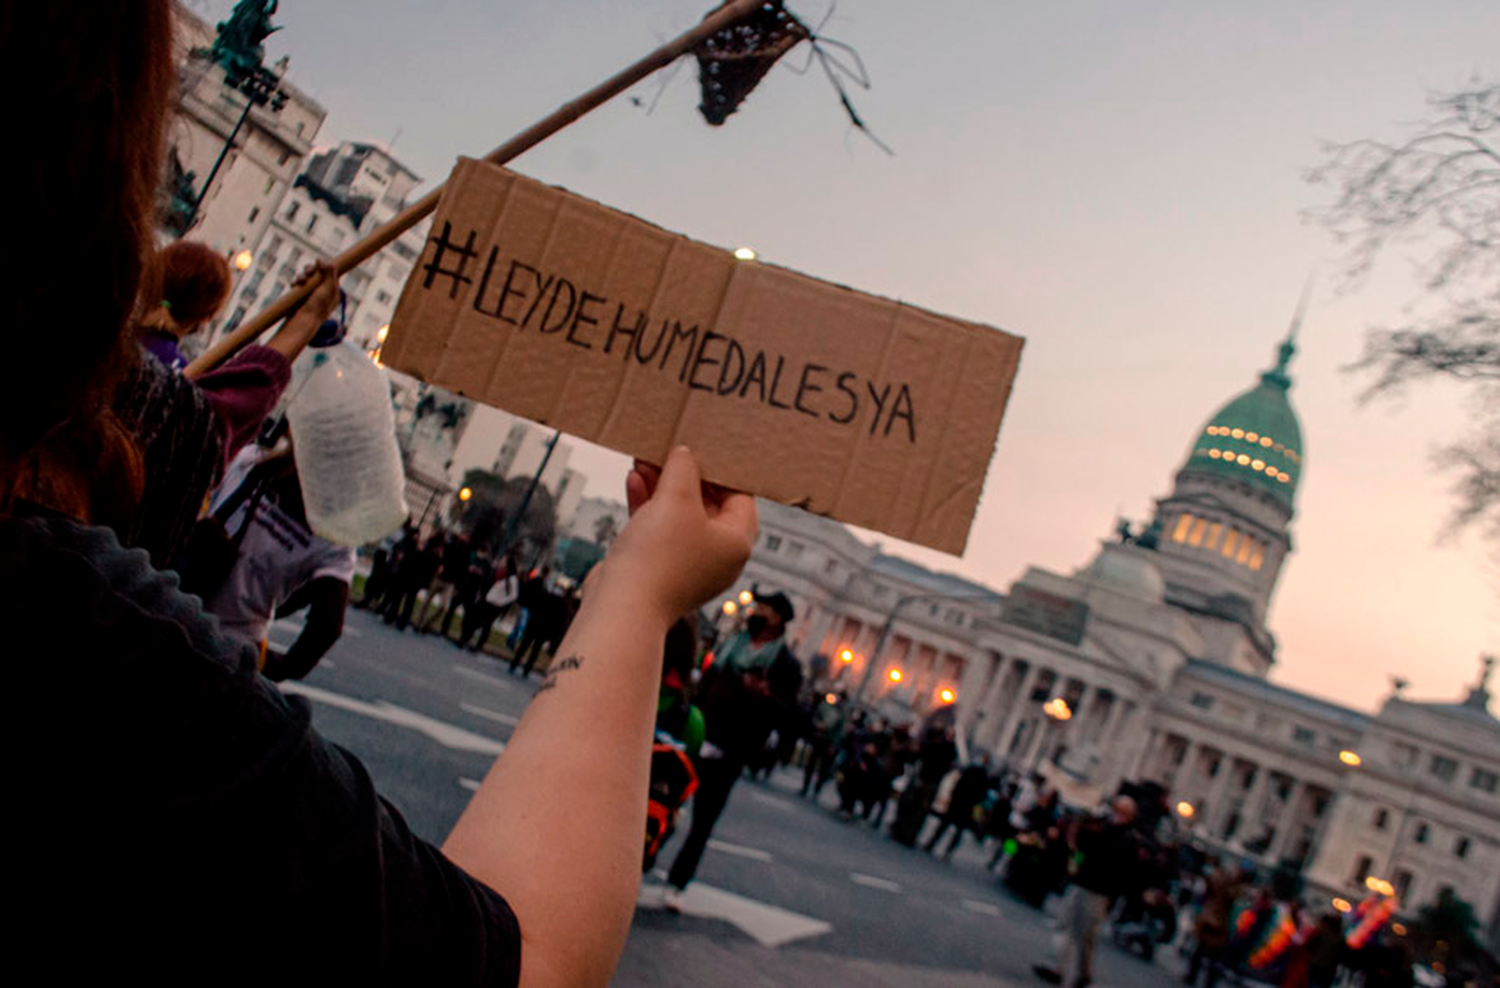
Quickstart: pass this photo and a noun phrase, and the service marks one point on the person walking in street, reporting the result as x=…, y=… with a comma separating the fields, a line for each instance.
x=545, y=614
x=1211, y=929
x=498, y=589
x=827, y=724
x=967, y=793
x=413, y=574
x=935, y=757
x=281, y=566
x=741, y=694
x=453, y=572
x=1104, y=858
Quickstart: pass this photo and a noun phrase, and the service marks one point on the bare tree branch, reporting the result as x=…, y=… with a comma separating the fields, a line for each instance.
x=1436, y=194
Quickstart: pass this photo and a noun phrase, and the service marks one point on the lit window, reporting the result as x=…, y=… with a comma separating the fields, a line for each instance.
x=1215, y=453
x=1184, y=521
x=1252, y=437
x=1196, y=538
x=1214, y=531
x=1265, y=441
x=1284, y=478
x=1257, y=465
x=1212, y=430
x=1246, y=545
x=1257, y=557
x=1237, y=433
x=1230, y=541
x=1242, y=460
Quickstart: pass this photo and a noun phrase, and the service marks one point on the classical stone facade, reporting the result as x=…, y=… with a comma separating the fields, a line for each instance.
x=1159, y=649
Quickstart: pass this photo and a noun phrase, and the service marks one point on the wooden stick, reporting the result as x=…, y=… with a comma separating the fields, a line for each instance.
x=721, y=18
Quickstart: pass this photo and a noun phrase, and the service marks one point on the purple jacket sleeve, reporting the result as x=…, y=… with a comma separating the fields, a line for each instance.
x=243, y=391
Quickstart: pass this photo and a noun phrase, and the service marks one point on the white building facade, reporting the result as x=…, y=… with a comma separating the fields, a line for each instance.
x=1160, y=651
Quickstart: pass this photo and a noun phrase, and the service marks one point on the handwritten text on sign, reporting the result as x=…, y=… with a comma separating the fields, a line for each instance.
x=556, y=308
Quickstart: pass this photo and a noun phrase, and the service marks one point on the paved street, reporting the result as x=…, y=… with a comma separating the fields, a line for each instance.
x=788, y=894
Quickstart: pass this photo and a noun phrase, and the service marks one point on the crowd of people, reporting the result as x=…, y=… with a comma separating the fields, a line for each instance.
x=1119, y=869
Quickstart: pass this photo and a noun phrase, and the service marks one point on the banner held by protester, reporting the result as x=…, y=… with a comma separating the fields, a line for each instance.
x=554, y=307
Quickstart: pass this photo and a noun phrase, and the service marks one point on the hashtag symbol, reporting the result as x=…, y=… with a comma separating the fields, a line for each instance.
x=446, y=246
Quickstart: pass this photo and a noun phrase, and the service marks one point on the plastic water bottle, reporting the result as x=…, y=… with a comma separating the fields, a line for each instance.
x=344, y=440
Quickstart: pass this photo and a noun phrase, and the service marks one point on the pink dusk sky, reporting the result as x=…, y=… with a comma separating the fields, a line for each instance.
x=1120, y=183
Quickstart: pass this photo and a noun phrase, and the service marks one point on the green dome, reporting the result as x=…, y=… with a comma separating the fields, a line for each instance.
x=1255, y=438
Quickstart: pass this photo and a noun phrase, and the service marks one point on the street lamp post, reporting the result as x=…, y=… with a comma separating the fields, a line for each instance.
x=239, y=50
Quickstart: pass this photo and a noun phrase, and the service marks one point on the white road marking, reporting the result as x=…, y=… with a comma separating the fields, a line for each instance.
x=739, y=850
x=770, y=925
x=871, y=882
x=483, y=677
x=491, y=714
x=445, y=734
x=470, y=784
x=983, y=908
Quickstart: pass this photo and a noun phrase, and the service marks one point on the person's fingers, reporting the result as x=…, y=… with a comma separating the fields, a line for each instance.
x=637, y=492
x=649, y=472
x=680, y=478
x=737, y=514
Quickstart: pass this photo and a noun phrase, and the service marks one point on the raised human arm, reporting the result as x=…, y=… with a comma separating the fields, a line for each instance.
x=303, y=323
x=558, y=824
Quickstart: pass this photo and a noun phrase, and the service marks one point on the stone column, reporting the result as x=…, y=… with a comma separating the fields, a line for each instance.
x=1017, y=709
x=988, y=702
x=1286, y=821
x=1217, y=797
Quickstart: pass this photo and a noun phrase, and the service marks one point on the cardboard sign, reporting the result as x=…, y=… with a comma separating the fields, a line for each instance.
x=558, y=309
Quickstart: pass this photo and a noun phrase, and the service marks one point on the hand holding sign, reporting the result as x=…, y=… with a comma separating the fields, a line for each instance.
x=685, y=542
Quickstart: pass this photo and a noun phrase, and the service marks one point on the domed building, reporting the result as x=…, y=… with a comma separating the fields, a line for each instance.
x=1159, y=651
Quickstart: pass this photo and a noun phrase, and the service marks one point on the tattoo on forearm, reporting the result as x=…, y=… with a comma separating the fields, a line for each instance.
x=557, y=669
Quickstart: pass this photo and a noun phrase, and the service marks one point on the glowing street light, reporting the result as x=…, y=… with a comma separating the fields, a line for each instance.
x=830, y=698
x=1351, y=758
x=846, y=655
x=382, y=333
x=745, y=254
x=1342, y=905
x=1186, y=810
x=894, y=675
x=1057, y=708
x=746, y=597
x=242, y=260
x=947, y=695
x=464, y=493
x=729, y=608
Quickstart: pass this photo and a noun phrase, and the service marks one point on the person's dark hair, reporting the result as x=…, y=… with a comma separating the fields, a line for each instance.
x=82, y=226
x=781, y=604
x=194, y=281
